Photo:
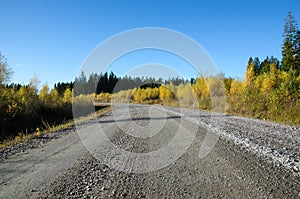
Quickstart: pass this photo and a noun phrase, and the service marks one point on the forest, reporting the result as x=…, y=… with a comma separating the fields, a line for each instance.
x=270, y=90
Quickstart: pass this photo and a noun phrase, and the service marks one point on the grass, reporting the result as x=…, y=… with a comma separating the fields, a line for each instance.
x=21, y=138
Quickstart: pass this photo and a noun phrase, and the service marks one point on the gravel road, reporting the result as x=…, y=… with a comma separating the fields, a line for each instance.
x=242, y=158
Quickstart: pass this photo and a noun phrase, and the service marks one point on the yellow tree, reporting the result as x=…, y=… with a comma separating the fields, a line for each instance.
x=250, y=75
x=28, y=98
x=67, y=98
x=200, y=88
x=23, y=94
x=138, y=95
x=44, y=94
x=236, y=88
x=217, y=93
x=235, y=98
x=186, y=96
x=202, y=92
x=165, y=94
x=269, y=80
x=10, y=102
x=54, y=97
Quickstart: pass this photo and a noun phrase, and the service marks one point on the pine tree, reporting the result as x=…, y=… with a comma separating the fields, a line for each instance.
x=297, y=50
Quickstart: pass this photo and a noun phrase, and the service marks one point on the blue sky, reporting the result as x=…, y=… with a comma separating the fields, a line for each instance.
x=50, y=39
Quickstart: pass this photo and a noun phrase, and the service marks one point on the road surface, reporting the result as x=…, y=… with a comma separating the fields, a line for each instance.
x=145, y=151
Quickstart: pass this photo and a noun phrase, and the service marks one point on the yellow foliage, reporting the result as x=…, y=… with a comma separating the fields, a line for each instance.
x=249, y=76
x=186, y=96
x=44, y=94
x=236, y=87
x=166, y=95
x=138, y=95
x=216, y=86
x=23, y=94
x=273, y=70
x=268, y=83
x=37, y=132
x=54, y=97
x=258, y=82
x=103, y=97
x=67, y=98
x=122, y=96
x=201, y=88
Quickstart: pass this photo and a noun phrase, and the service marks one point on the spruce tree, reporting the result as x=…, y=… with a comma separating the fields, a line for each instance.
x=290, y=48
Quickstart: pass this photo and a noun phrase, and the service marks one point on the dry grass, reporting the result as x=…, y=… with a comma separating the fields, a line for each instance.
x=51, y=129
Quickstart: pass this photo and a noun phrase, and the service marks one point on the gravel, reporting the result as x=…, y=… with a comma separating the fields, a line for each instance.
x=37, y=142
x=252, y=159
x=237, y=167
x=277, y=143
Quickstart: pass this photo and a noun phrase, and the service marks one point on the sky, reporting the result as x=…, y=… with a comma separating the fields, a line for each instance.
x=51, y=39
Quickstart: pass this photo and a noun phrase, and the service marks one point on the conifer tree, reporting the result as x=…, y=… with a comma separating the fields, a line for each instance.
x=290, y=48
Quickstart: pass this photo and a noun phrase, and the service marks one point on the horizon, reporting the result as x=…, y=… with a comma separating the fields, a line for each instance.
x=51, y=39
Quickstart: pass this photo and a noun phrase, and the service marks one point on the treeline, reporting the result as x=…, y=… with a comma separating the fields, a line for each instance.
x=270, y=90
x=271, y=95
x=23, y=108
x=110, y=83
